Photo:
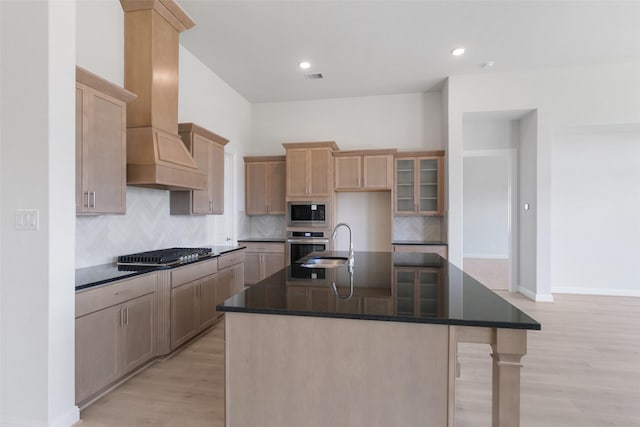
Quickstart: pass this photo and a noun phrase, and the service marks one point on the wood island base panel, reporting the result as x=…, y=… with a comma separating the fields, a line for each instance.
x=375, y=346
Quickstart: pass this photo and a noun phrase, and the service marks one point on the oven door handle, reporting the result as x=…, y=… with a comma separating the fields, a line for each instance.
x=308, y=241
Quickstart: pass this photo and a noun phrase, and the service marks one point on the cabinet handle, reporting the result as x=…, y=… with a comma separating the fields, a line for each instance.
x=93, y=195
x=121, y=318
x=85, y=194
x=126, y=316
x=210, y=206
x=126, y=291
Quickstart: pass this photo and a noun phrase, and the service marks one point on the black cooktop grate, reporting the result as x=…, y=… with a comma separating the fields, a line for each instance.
x=163, y=256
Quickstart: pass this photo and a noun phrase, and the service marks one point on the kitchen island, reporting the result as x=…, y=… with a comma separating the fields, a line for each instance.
x=374, y=346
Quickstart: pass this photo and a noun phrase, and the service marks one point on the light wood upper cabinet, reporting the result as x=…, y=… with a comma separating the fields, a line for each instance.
x=419, y=186
x=310, y=169
x=101, y=124
x=365, y=170
x=207, y=149
x=265, y=185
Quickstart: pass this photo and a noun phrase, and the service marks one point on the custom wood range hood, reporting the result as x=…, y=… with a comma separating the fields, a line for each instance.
x=156, y=156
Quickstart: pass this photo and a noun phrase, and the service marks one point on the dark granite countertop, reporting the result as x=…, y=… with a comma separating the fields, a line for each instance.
x=263, y=239
x=402, y=287
x=417, y=242
x=100, y=274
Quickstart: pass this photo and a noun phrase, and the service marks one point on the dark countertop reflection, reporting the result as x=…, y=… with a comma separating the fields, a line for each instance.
x=403, y=287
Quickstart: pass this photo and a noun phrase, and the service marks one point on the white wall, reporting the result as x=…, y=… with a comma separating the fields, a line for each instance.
x=595, y=200
x=576, y=96
x=38, y=148
x=369, y=216
x=405, y=121
x=486, y=207
x=203, y=99
x=408, y=122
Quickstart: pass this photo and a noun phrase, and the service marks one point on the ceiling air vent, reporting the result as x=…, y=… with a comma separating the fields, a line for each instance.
x=313, y=76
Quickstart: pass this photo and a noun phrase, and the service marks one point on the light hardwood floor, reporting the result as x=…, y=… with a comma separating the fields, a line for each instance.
x=582, y=369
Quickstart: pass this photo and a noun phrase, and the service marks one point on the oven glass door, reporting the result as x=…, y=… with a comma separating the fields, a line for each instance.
x=299, y=250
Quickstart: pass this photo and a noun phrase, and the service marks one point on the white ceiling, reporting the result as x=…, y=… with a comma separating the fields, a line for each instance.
x=383, y=47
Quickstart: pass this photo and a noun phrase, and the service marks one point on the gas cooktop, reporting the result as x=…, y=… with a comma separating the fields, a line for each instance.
x=164, y=257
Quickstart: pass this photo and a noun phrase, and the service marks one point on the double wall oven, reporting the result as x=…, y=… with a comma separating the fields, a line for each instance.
x=308, y=230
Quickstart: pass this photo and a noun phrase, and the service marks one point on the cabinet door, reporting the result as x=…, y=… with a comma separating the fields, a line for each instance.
x=252, y=268
x=273, y=262
x=320, y=299
x=207, y=300
x=320, y=174
x=224, y=285
x=430, y=300
x=297, y=171
x=378, y=172
x=97, y=351
x=348, y=172
x=351, y=305
x=104, y=153
x=381, y=306
x=237, y=278
x=184, y=313
x=256, y=188
x=200, y=150
x=276, y=177
x=216, y=177
x=139, y=331
x=81, y=172
x=405, y=292
x=296, y=298
x=405, y=186
x=429, y=181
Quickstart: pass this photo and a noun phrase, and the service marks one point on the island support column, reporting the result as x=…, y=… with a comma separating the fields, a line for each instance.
x=508, y=348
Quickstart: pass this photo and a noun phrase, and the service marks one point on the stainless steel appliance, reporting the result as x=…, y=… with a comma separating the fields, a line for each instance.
x=301, y=244
x=308, y=214
x=164, y=257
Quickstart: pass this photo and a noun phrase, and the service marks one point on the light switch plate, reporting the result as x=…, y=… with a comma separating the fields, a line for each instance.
x=27, y=219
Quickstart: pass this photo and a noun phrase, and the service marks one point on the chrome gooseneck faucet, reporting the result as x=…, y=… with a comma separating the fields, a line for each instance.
x=333, y=236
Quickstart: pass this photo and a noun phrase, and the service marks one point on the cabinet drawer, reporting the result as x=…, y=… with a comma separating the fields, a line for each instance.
x=264, y=247
x=230, y=259
x=191, y=272
x=116, y=293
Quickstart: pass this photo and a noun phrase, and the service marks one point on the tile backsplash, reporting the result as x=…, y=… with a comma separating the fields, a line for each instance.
x=417, y=228
x=267, y=226
x=147, y=225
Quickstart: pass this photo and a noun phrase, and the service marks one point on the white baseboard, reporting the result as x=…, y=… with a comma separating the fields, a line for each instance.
x=534, y=296
x=67, y=419
x=597, y=291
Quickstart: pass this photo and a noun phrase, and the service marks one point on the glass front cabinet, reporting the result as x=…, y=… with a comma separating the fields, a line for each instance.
x=419, y=187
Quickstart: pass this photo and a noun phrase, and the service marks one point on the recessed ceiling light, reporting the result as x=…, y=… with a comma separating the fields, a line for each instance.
x=457, y=51
x=305, y=65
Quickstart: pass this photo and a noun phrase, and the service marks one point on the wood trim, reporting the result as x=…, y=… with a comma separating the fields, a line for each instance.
x=192, y=127
x=382, y=152
x=249, y=159
x=419, y=153
x=94, y=81
x=317, y=144
x=168, y=9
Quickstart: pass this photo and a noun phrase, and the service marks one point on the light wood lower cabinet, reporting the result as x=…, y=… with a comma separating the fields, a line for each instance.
x=114, y=334
x=231, y=272
x=193, y=308
x=262, y=260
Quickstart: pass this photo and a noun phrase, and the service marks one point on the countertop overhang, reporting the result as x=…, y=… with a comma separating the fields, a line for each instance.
x=460, y=299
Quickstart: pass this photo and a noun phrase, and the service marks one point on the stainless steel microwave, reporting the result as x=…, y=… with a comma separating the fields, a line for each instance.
x=307, y=214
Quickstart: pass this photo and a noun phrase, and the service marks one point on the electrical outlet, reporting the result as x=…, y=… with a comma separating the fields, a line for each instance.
x=27, y=219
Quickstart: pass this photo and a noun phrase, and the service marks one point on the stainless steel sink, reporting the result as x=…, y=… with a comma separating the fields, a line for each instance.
x=325, y=262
